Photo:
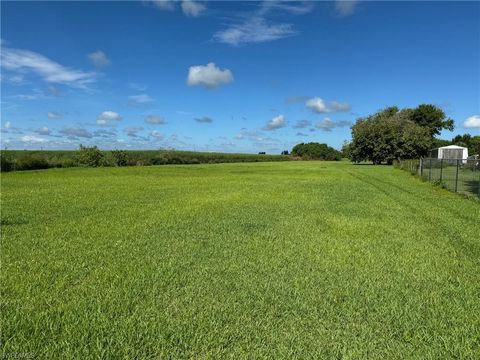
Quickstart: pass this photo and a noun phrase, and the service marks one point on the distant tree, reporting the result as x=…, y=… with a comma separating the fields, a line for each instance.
x=316, y=151
x=285, y=152
x=468, y=141
x=346, y=148
x=431, y=117
x=90, y=156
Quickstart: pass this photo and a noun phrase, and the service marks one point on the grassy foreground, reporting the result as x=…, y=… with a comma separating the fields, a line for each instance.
x=261, y=260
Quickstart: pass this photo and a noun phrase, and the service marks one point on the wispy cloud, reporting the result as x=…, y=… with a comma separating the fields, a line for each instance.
x=24, y=61
x=99, y=59
x=43, y=131
x=139, y=100
x=54, y=115
x=164, y=4
x=76, y=132
x=345, y=7
x=193, y=8
x=204, y=120
x=209, y=76
x=257, y=28
x=154, y=120
x=301, y=124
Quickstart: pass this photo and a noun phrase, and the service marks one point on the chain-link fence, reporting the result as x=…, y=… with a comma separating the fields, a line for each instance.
x=462, y=176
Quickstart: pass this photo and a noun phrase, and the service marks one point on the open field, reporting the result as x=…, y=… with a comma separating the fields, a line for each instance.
x=260, y=260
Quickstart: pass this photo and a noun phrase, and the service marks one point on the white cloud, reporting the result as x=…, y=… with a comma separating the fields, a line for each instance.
x=156, y=134
x=33, y=139
x=108, y=116
x=193, y=8
x=7, y=125
x=204, y=119
x=472, y=122
x=43, y=131
x=209, y=76
x=244, y=133
x=345, y=7
x=141, y=99
x=99, y=58
x=319, y=105
x=164, y=4
x=74, y=133
x=54, y=115
x=154, y=120
x=28, y=61
x=254, y=30
x=328, y=124
x=276, y=123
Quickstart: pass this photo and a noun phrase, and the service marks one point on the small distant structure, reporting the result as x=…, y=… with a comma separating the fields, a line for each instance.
x=450, y=152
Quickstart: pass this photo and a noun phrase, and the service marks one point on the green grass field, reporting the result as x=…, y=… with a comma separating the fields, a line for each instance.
x=261, y=260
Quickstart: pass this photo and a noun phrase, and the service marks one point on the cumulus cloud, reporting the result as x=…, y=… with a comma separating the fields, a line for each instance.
x=209, y=76
x=43, y=131
x=319, y=105
x=76, y=132
x=139, y=100
x=33, y=139
x=328, y=124
x=301, y=134
x=7, y=125
x=276, y=123
x=154, y=120
x=24, y=61
x=193, y=8
x=204, y=119
x=99, y=59
x=107, y=117
x=253, y=30
x=54, y=115
x=472, y=122
x=301, y=124
x=345, y=7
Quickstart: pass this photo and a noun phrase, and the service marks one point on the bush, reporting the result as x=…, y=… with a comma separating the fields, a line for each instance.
x=6, y=162
x=119, y=157
x=91, y=156
x=32, y=162
x=316, y=151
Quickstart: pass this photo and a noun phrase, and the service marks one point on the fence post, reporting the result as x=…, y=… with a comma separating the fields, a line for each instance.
x=421, y=167
x=441, y=170
x=456, y=178
x=430, y=171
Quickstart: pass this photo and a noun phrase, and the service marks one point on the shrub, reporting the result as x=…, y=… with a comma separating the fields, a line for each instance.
x=119, y=157
x=32, y=162
x=91, y=156
x=6, y=162
x=316, y=151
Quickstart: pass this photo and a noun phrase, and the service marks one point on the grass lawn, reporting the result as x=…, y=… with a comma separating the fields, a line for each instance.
x=260, y=260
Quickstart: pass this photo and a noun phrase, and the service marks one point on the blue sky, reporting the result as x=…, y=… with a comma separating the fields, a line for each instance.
x=229, y=76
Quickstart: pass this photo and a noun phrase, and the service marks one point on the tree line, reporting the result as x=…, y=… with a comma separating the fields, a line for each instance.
x=395, y=134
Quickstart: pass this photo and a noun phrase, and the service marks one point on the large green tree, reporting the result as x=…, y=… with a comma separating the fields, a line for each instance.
x=388, y=135
x=431, y=117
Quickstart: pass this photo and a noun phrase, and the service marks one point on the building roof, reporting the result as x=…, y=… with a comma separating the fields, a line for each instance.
x=452, y=147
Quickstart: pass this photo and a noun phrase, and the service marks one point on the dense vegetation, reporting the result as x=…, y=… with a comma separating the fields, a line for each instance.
x=322, y=260
x=393, y=134
x=94, y=157
x=316, y=151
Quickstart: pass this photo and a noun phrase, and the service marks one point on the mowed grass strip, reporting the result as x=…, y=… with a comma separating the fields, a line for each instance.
x=264, y=260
